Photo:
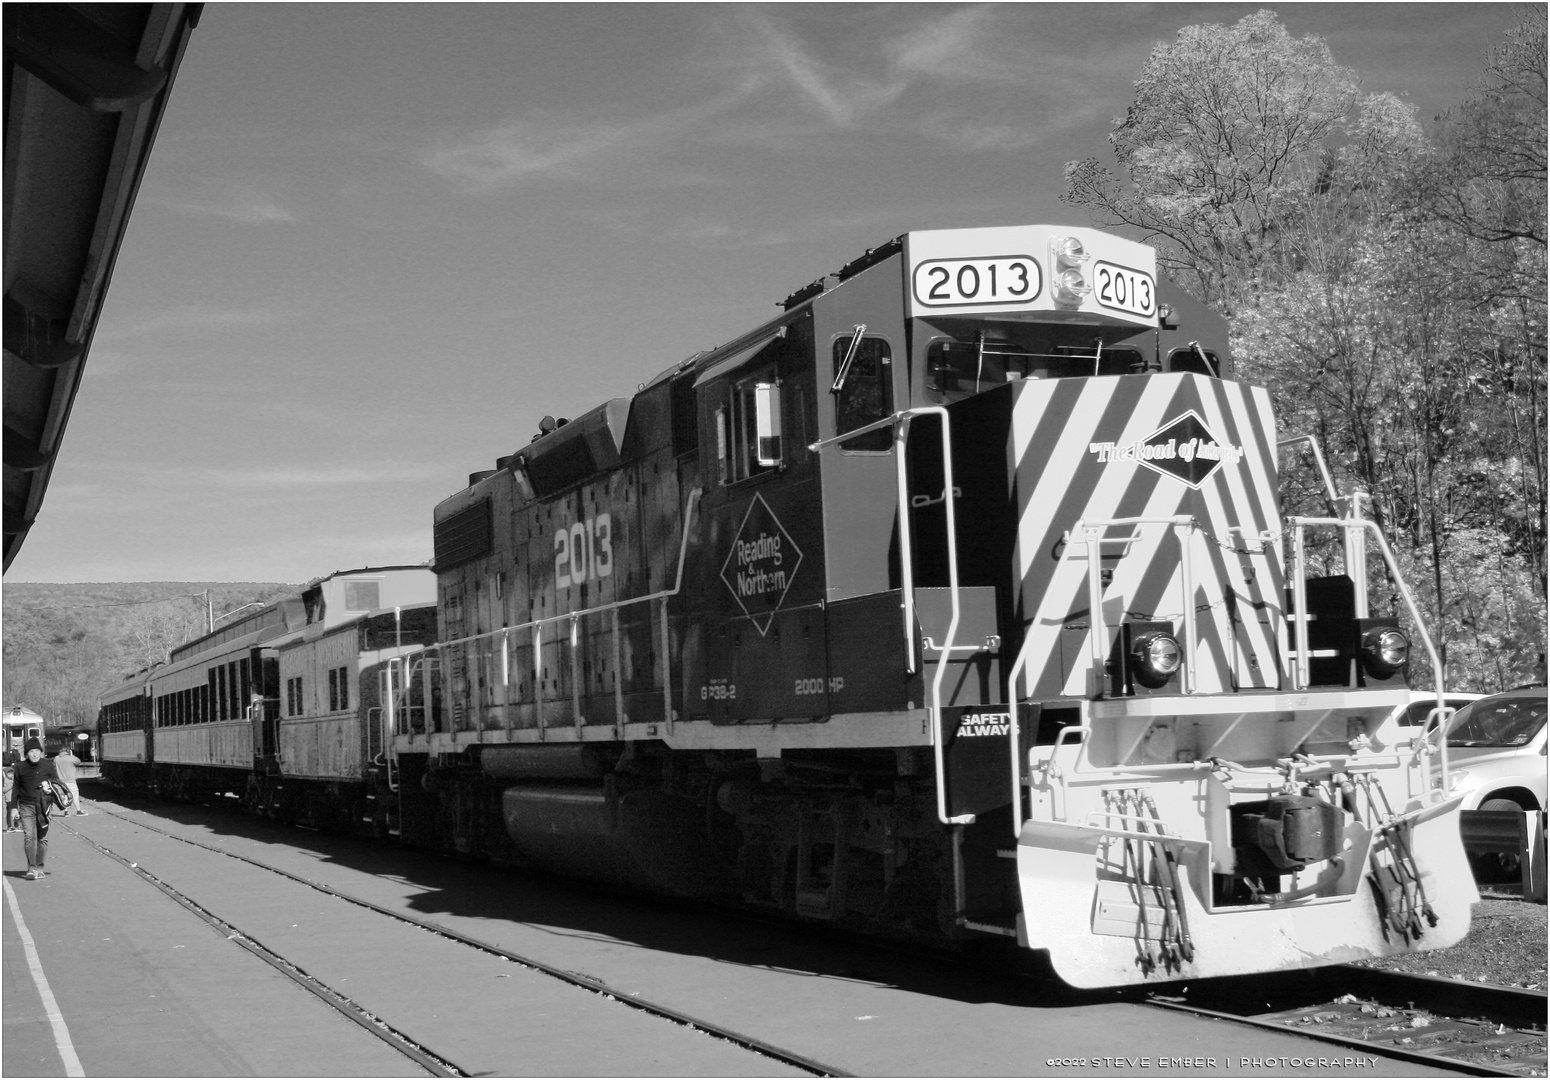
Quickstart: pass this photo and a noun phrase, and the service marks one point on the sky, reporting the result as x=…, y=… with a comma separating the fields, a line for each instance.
x=375, y=244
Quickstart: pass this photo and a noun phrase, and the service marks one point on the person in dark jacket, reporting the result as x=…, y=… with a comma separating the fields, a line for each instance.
x=33, y=799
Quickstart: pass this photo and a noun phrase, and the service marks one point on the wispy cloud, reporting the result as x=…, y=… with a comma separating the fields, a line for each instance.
x=546, y=144
x=184, y=319
x=972, y=77
x=771, y=77
x=542, y=143
x=840, y=95
x=954, y=46
x=244, y=206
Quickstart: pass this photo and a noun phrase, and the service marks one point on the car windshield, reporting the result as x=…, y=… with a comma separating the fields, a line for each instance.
x=1505, y=722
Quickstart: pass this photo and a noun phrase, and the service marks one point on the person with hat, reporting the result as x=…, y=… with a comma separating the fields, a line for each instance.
x=33, y=798
x=64, y=766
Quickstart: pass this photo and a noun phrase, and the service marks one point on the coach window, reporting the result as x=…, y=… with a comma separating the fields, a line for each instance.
x=338, y=689
x=863, y=391
x=361, y=596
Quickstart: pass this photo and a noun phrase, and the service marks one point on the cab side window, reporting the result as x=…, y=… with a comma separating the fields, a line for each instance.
x=745, y=450
x=863, y=380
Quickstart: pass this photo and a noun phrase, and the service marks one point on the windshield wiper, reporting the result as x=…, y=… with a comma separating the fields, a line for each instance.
x=850, y=354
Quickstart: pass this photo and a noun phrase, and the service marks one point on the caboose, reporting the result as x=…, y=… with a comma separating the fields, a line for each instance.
x=953, y=603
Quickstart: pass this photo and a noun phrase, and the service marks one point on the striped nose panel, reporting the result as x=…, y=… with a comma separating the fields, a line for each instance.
x=1154, y=447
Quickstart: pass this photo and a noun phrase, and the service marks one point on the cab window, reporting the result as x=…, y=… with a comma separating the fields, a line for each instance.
x=960, y=369
x=746, y=442
x=863, y=380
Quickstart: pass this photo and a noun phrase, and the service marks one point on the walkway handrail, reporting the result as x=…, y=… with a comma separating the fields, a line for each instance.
x=1330, y=495
x=900, y=422
x=574, y=617
x=1089, y=533
x=683, y=547
x=1298, y=525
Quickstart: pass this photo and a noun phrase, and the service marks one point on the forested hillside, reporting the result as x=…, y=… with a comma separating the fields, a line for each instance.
x=65, y=644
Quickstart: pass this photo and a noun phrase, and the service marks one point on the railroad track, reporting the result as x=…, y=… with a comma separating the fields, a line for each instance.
x=1471, y=1028
x=433, y=1061
x=1465, y=1028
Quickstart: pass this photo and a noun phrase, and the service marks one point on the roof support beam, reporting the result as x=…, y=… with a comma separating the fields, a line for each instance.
x=78, y=58
x=36, y=339
x=23, y=453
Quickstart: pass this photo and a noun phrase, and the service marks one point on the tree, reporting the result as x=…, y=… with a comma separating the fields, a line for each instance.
x=1489, y=182
x=156, y=629
x=1225, y=139
x=1390, y=291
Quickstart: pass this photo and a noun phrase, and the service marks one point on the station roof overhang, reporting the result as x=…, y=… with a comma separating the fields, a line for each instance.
x=85, y=89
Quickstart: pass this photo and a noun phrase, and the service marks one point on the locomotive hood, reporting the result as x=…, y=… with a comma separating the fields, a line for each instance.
x=1169, y=483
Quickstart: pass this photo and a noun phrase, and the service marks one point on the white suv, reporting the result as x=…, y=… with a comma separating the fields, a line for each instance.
x=1496, y=756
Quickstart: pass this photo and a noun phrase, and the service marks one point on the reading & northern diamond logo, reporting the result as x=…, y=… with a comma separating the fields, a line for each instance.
x=761, y=565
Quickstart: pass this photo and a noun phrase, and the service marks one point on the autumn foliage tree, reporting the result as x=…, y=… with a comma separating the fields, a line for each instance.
x=1388, y=288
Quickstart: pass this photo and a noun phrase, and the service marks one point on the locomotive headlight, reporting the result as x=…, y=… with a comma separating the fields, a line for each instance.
x=1068, y=251
x=1155, y=658
x=1068, y=285
x=1385, y=649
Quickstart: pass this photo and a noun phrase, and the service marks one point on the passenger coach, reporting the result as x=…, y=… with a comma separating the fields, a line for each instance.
x=225, y=715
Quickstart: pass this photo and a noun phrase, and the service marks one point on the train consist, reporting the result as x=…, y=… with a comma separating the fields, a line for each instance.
x=953, y=603
x=281, y=707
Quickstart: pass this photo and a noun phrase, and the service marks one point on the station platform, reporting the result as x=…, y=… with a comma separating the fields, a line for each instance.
x=106, y=976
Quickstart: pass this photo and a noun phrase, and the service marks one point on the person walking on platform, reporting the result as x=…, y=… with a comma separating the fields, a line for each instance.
x=64, y=764
x=10, y=797
x=31, y=774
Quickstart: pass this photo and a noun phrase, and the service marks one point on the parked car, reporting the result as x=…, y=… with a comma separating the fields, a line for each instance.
x=1407, y=722
x=1496, y=756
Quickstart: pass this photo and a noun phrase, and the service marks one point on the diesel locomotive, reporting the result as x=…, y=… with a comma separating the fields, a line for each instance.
x=954, y=603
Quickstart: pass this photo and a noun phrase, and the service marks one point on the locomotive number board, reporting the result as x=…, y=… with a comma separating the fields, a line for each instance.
x=1066, y=271
x=1124, y=289
x=962, y=282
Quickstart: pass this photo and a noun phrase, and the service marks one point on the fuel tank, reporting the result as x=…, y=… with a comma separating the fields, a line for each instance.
x=635, y=839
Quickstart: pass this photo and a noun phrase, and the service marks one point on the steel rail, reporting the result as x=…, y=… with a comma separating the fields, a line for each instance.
x=1443, y=998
